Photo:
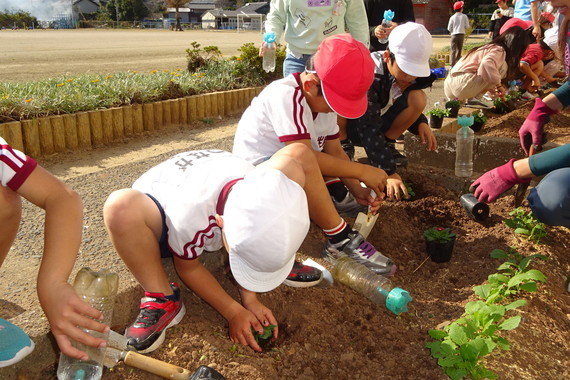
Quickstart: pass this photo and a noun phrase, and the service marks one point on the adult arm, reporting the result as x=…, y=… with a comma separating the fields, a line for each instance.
x=534, y=14
x=354, y=19
x=276, y=18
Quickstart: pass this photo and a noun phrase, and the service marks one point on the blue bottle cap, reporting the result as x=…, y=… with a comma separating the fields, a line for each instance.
x=397, y=301
x=388, y=15
x=269, y=37
x=465, y=121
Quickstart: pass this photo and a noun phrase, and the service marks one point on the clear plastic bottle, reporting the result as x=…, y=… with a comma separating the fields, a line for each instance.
x=99, y=290
x=386, y=24
x=375, y=287
x=269, y=51
x=464, y=151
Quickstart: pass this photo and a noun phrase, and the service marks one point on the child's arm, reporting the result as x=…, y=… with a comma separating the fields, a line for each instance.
x=66, y=312
x=529, y=73
x=241, y=320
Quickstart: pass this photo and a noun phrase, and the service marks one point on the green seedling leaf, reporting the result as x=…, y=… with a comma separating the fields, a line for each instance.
x=515, y=304
x=474, y=306
x=529, y=287
x=503, y=343
x=482, y=291
x=437, y=334
x=449, y=362
x=457, y=334
x=267, y=333
x=499, y=254
x=456, y=373
x=522, y=231
x=511, y=323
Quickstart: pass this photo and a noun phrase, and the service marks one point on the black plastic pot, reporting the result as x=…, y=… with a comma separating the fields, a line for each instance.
x=435, y=121
x=440, y=252
x=478, y=211
x=477, y=126
x=453, y=111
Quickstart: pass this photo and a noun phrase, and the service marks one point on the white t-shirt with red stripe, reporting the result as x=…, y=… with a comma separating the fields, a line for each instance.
x=280, y=114
x=15, y=166
x=188, y=188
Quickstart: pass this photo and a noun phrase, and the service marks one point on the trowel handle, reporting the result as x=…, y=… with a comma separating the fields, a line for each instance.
x=155, y=366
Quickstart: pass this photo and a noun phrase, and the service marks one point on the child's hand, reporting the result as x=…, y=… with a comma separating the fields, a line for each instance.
x=427, y=137
x=68, y=315
x=374, y=178
x=394, y=186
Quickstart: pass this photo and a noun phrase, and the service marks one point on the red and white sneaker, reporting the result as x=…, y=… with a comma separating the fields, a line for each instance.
x=157, y=314
x=303, y=276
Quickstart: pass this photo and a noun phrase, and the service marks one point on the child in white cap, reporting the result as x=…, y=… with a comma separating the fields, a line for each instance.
x=396, y=101
x=303, y=108
x=200, y=201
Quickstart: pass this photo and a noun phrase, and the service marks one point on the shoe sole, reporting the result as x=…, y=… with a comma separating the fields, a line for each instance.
x=303, y=284
x=25, y=351
x=176, y=320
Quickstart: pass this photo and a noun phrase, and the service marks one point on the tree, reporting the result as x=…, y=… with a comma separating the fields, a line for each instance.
x=176, y=4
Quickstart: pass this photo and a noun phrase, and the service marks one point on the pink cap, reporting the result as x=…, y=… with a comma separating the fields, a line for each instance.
x=498, y=1
x=515, y=22
x=346, y=71
x=458, y=5
x=548, y=16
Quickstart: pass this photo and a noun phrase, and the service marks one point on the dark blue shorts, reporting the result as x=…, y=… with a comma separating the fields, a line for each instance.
x=163, y=241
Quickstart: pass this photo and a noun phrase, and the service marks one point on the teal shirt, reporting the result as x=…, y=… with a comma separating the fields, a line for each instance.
x=552, y=159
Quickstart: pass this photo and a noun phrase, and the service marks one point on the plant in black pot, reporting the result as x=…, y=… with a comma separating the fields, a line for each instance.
x=439, y=243
x=504, y=105
x=453, y=106
x=479, y=120
x=436, y=115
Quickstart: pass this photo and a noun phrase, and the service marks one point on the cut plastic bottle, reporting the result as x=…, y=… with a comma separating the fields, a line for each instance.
x=269, y=51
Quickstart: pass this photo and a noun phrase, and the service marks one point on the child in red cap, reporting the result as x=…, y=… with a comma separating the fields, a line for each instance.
x=456, y=27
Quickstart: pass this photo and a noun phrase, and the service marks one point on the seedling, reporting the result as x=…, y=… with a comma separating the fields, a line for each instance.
x=512, y=277
x=525, y=223
x=264, y=338
x=411, y=193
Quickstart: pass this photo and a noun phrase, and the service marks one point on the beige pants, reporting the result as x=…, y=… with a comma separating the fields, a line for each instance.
x=464, y=86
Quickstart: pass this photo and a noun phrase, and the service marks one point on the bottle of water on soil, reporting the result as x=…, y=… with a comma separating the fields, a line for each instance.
x=464, y=147
x=269, y=51
x=386, y=24
x=99, y=290
x=375, y=287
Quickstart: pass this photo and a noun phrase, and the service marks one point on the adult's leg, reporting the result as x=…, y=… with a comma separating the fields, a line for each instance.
x=293, y=64
x=134, y=224
x=10, y=215
x=550, y=199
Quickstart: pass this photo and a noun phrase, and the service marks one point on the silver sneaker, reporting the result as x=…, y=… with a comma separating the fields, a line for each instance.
x=361, y=251
x=348, y=207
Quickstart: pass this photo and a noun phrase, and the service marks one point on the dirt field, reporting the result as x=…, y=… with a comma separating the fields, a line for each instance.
x=27, y=55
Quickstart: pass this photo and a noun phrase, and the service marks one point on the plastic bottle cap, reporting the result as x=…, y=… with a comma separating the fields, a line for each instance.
x=269, y=37
x=397, y=301
x=388, y=15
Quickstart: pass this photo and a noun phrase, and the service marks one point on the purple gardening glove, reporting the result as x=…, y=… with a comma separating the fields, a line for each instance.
x=534, y=122
x=495, y=182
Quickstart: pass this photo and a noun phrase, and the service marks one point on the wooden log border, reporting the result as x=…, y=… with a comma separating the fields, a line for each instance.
x=85, y=130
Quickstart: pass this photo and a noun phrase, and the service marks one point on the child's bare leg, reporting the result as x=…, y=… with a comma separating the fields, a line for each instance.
x=298, y=162
x=134, y=224
x=10, y=215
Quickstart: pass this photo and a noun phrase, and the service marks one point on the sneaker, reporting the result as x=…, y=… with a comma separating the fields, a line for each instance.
x=361, y=251
x=528, y=96
x=157, y=314
x=348, y=148
x=14, y=344
x=399, y=158
x=303, y=276
x=348, y=207
x=487, y=97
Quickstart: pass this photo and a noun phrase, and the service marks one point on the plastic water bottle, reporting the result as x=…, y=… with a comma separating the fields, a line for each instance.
x=99, y=290
x=386, y=24
x=375, y=287
x=269, y=50
x=464, y=147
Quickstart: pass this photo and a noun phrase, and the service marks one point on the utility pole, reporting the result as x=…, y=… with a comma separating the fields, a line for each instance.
x=117, y=12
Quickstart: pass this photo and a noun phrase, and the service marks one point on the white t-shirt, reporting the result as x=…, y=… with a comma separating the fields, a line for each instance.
x=280, y=114
x=15, y=166
x=188, y=187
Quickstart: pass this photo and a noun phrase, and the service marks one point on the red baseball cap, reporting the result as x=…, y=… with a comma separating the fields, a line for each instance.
x=515, y=22
x=458, y=5
x=346, y=71
x=548, y=16
x=498, y=1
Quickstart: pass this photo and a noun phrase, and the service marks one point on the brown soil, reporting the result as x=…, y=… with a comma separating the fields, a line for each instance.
x=556, y=131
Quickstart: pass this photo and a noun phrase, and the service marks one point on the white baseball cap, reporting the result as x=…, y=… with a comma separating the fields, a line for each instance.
x=412, y=46
x=266, y=218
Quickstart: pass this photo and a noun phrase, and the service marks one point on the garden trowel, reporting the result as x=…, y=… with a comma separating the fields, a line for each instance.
x=117, y=351
x=365, y=222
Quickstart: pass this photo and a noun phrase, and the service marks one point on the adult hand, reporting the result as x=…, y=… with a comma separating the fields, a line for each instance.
x=395, y=187
x=534, y=124
x=495, y=182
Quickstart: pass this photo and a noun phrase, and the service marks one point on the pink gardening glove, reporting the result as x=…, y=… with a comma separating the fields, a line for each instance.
x=495, y=182
x=534, y=122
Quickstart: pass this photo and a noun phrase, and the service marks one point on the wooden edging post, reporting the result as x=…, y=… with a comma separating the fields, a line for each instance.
x=31, y=137
x=58, y=130
x=70, y=131
x=12, y=133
